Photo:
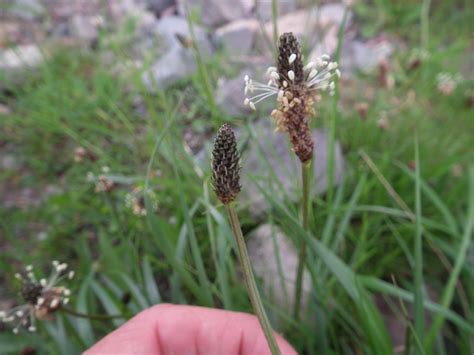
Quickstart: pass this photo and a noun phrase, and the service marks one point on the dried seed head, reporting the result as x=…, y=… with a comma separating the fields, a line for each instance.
x=225, y=165
x=290, y=58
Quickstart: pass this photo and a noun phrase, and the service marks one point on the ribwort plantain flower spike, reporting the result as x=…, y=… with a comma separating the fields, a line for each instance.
x=225, y=180
x=42, y=297
x=225, y=165
x=297, y=88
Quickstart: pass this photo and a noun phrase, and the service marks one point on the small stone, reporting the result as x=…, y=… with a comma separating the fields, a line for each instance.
x=176, y=65
x=267, y=247
x=158, y=6
x=10, y=32
x=264, y=8
x=230, y=94
x=238, y=37
x=364, y=56
x=26, y=9
x=4, y=110
x=85, y=27
x=310, y=22
x=20, y=57
x=174, y=30
x=216, y=12
x=178, y=62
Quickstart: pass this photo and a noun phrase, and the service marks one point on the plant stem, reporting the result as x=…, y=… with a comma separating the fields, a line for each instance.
x=305, y=176
x=425, y=23
x=250, y=280
x=275, y=23
x=90, y=316
x=418, y=253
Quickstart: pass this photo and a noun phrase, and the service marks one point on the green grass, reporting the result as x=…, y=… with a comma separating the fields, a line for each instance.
x=388, y=234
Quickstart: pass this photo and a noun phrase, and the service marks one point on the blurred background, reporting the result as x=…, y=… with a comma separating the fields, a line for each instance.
x=108, y=111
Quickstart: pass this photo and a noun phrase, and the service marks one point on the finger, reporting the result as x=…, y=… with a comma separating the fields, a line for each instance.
x=171, y=330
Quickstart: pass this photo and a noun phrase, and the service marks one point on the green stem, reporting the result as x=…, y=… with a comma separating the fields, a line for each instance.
x=305, y=176
x=250, y=280
x=90, y=316
x=275, y=23
x=425, y=23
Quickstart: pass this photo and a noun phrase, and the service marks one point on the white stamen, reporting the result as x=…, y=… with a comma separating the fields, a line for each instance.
x=312, y=74
x=15, y=331
x=285, y=84
x=19, y=313
x=70, y=275
x=292, y=58
x=246, y=101
x=67, y=292
x=308, y=66
x=280, y=94
x=29, y=268
x=246, y=78
x=54, y=303
x=271, y=70
x=66, y=301
x=275, y=75
x=32, y=329
x=43, y=282
x=325, y=57
x=291, y=75
x=338, y=73
x=40, y=301
x=332, y=65
x=252, y=106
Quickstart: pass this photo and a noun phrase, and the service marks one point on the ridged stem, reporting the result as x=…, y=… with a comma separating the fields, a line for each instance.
x=252, y=290
x=305, y=177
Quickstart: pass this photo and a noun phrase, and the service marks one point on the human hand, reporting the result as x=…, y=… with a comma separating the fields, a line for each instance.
x=168, y=329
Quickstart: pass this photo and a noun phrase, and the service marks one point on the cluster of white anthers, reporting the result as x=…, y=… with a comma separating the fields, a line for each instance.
x=318, y=76
x=42, y=297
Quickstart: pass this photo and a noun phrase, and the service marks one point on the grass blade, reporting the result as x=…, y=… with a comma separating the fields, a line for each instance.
x=461, y=256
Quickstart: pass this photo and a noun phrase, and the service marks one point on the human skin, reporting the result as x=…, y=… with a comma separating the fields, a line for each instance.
x=168, y=329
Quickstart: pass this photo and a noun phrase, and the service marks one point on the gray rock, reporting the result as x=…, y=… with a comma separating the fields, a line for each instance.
x=237, y=37
x=26, y=9
x=158, y=6
x=178, y=61
x=275, y=261
x=20, y=57
x=269, y=156
x=264, y=8
x=268, y=161
x=171, y=28
x=357, y=55
x=310, y=24
x=85, y=27
x=217, y=12
x=172, y=67
x=230, y=95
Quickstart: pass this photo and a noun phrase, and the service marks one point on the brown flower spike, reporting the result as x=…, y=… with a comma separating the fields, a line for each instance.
x=297, y=88
x=225, y=165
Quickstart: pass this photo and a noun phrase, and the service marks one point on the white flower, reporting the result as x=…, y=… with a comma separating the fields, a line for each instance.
x=318, y=76
x=447, y=83
x=42, y=297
